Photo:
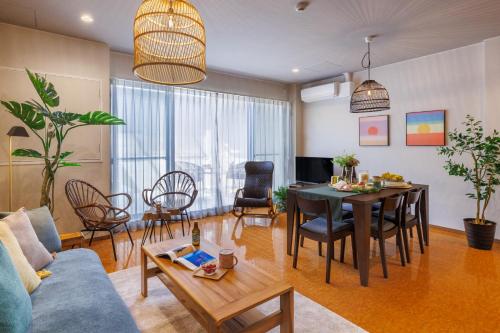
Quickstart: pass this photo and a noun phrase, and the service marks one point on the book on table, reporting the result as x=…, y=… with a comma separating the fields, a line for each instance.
x=188, y=256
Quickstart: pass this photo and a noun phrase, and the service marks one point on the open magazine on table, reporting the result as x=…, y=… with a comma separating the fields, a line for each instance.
x=188, y=256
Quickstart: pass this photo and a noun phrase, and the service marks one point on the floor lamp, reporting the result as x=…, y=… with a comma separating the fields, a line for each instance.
x=14, y=131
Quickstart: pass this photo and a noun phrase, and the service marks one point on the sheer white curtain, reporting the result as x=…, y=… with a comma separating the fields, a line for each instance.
x=207, y=134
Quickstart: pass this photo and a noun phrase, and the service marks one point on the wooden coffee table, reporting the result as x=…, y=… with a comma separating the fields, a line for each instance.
x=227, y=305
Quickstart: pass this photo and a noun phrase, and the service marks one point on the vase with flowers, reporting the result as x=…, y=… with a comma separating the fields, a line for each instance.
x=348, y=162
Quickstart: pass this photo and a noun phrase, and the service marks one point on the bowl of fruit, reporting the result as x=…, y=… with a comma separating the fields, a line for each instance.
x=393, y=180
x=209, y=268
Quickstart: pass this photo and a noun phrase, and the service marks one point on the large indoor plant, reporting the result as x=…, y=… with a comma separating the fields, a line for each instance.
x=482, y=170
x=280, y=196
x=51, y=127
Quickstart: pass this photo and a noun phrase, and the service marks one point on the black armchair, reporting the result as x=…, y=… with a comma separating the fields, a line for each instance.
x=257, y=191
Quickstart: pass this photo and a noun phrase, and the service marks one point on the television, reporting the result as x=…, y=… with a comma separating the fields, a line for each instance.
x=313, y=169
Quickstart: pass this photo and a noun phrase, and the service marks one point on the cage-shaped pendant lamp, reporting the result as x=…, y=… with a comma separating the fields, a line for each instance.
x=169, y=43
x=369, y=96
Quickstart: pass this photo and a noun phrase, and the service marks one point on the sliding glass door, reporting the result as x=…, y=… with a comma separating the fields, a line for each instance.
x=207, y=134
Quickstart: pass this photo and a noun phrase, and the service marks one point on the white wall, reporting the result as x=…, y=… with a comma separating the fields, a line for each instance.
x=454, y=80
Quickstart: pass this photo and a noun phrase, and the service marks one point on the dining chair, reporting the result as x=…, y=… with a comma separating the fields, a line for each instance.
x=175, y=191
x=95, y=210
x=381, y=228
x=411, y=202
x=322, y=229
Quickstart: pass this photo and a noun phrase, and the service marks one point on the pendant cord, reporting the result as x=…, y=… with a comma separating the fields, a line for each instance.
x=369, y=65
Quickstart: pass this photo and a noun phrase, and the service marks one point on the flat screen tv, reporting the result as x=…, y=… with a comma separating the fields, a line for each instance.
x=313, y=169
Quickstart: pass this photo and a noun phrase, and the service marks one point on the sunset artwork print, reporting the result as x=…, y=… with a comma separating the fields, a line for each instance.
x=425, y=128
x=374, y=131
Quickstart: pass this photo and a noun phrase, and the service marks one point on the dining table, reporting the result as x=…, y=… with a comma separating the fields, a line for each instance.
x=362, y=210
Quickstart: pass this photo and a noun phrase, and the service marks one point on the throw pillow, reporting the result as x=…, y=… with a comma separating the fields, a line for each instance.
x=27, y=274
x=15, y=303
x=45, y=228
x=33, y=250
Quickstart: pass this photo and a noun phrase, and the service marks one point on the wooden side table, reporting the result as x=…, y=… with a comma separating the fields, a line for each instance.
x=70, y=240
x=150, y=217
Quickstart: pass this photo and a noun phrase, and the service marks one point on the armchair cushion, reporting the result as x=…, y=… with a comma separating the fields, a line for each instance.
x=252, y=202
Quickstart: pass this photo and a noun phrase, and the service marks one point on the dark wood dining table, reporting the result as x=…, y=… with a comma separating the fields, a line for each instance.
x=362, y=210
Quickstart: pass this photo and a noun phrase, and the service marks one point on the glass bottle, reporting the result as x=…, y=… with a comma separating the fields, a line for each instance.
x=196, y=234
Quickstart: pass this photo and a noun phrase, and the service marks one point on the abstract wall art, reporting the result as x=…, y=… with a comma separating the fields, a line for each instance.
x=426, y=128
x=374, y=131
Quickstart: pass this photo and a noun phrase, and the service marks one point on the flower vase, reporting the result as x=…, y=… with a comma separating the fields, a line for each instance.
x=348, y=174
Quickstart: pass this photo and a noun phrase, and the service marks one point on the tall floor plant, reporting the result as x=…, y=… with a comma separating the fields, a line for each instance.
x=51, y=126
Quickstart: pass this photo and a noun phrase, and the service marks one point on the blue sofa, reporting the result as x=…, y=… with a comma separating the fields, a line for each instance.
x=78, y=297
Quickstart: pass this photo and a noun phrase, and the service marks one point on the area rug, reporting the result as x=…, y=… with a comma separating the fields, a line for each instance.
x=161, y=312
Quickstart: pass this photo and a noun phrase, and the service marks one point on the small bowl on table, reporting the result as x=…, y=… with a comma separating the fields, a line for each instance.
x=209, y=268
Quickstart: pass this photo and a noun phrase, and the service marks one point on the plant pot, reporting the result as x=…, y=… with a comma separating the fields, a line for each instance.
x=480, y=236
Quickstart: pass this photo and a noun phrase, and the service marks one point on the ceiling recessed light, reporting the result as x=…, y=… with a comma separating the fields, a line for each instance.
x=87, y=18
x=295, y=70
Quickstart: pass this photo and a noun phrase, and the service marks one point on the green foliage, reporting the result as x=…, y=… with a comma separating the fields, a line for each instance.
x=483, y=171
x=280, y=196
x=346, y=160
x=51, y=127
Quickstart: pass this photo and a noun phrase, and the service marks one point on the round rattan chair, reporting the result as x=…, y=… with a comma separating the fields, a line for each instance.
x=95, y=210
x=176, y=191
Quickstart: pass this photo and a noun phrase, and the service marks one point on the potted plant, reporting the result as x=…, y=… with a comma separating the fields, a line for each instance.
x=51, y=127
x=348, y=162
x=483, y=171
x=280, y=196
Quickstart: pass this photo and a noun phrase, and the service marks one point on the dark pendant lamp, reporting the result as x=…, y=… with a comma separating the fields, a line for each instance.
x=369, y=96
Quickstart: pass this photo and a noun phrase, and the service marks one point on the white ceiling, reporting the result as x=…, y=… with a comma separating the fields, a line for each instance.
x=267, y=38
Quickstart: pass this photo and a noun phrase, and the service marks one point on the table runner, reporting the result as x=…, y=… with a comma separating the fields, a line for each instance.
x=325, y=192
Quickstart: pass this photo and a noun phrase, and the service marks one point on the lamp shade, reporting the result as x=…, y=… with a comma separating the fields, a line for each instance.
x=18, y=131
x=370, y=96
x=169, y=43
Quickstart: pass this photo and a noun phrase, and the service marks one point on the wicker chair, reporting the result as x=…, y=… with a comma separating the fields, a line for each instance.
x=176, y=191
x=95, y=209
x=257, y=191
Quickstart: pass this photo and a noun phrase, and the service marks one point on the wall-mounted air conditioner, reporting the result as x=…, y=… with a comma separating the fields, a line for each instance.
x=327, y=91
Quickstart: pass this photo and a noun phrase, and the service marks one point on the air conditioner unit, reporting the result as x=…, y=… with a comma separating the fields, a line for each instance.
x=327, y=92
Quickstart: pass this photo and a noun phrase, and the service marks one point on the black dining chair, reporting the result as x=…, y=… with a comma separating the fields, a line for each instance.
x=322, y=229
x=410, y=219
x=381, y=228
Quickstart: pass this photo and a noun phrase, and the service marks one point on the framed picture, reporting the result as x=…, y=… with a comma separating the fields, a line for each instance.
x=426, y=128
x=374, y=131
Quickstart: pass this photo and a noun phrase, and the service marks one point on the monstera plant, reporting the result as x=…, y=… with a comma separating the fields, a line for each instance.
x=51, y=126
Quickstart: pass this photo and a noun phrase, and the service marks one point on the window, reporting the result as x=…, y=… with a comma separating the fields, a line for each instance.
x=207, y=134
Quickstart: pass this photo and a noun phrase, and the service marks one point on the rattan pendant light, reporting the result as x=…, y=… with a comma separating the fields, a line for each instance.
x=369, y=96
x=169, y=42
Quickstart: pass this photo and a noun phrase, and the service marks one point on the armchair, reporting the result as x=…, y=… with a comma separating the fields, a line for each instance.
x=176, y=191
x=95, y=210
x=257, y=191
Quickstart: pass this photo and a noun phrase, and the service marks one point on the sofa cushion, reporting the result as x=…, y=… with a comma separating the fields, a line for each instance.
x=15, y=303
x=27, y=274
x=34, y=251
x=45, y=228
x=79, y=297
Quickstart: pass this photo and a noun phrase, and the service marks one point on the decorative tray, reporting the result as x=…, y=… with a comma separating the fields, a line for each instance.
x=389, y=184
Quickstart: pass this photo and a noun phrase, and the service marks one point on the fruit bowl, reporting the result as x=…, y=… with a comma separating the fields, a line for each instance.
x=209, y=268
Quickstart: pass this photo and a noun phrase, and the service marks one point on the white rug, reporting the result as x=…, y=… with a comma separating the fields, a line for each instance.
x=161, y=312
